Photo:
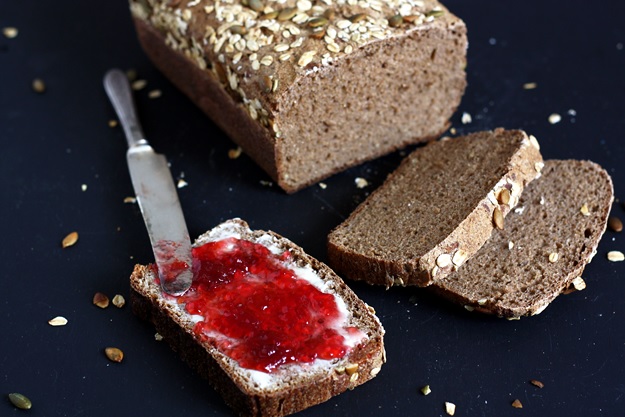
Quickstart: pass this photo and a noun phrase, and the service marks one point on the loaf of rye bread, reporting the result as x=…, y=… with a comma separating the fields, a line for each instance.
x=290, y=387
x=309, y=87
x=436, y=209
x=545, y=244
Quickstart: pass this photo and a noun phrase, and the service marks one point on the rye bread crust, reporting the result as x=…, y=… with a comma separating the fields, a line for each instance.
x=513, y=275
x=435, y=210
x=361, y=95
x=295, y=391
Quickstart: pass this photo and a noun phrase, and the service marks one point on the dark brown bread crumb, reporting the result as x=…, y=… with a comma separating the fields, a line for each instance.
x=522, y=280
x=435, y=210
x=295, y=389
x=323, y=98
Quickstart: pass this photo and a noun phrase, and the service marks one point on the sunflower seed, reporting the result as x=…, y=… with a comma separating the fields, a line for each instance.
x=114, y=354
x=498, y=218
x=69, y=240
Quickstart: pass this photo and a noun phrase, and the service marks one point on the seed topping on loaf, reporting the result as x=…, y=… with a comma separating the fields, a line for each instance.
x=271, y=37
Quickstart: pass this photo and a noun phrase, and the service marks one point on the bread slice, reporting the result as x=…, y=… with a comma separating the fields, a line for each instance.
x=436, y=210
x=308, y=89
x=545, y=244
x=290, y=387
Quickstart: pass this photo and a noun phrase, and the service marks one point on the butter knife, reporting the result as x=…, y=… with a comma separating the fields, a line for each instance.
x=155, y=192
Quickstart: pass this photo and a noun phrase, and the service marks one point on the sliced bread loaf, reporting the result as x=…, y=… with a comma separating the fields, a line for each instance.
x=250, y=291
x=308, y=89
x=436, y=210
x=545, y=244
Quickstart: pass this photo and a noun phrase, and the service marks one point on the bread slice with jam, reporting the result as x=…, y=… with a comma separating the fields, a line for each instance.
x=272, y=329
x=544, y=247
x=436, y=209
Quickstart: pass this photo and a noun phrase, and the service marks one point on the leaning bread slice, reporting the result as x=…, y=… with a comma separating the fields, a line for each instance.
x=436, y=210
x=272, y=329
x=546, y=243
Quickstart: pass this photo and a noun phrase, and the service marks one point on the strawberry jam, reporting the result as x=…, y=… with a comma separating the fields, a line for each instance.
x=256, y=310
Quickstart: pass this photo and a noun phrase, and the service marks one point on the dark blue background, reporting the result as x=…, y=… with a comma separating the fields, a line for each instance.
x=53, y=143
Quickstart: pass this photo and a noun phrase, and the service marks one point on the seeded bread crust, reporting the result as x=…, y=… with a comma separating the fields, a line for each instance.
x=308, y=88
x=512, y=275
x=296, y=388
x=436, y=210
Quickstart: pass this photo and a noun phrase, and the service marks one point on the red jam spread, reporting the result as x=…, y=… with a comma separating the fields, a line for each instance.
x=257, y=311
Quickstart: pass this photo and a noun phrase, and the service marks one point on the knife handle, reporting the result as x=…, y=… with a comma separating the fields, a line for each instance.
x=118, y=89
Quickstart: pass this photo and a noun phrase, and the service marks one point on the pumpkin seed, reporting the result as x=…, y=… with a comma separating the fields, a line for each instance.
x=395, y=21
x=358, y=17
x=114, y=354
x=287, y=13
x=316, y=22
x=256, y=5
x=69, y=240
x=20, y=401
x=498, y=218
x=434, y=13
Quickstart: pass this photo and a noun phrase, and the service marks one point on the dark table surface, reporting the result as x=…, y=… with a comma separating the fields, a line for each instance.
x=63, y=169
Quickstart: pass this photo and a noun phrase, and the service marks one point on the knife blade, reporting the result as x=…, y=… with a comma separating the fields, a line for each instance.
x=155, y=192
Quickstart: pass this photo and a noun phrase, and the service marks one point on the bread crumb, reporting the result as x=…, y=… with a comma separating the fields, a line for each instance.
x=537, y=383
x=450, y=408
x=584, y=210
x=530, y=86
x=39, y=86
x=182, y=183
x=158, y=337
x=466, y=118
x=323, y=185
x=113, y=123
x=83, y=187
x=130, y=200
x=361, y=182
x=266, y=183
x=57, y=321
x=554, y=118
x=425, y=390
x=517, y=403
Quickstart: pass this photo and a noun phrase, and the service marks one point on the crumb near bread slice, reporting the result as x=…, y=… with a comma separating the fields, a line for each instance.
x=436, y=209
x=288, y=388
x=554, y=232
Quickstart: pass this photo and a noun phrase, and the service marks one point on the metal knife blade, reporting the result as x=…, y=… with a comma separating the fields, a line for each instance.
x=155, y=192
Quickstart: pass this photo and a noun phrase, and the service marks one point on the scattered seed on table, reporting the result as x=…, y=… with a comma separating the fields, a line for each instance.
x=554, y=118
x=69, y=240
x=10, y=32
x=616, y=256
x=57, y=321
x=537, y=383
x=517, y=403
x=20, y=401
x=100, y=300
x=119, y=301
x=615, y=224
x=114, y=354
x=39, y=86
